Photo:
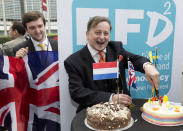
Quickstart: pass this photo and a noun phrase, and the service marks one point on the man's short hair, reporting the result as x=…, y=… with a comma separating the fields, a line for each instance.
x=16, y=25
x=94, y=21
x=32, y=16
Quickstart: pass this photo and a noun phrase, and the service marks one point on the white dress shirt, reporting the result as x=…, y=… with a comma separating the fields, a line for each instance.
x=94, y=53
x=46, y=42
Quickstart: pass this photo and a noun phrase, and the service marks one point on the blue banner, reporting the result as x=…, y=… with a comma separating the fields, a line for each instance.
x=142, y=26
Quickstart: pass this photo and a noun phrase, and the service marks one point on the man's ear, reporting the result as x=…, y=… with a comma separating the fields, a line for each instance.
x=15, y=32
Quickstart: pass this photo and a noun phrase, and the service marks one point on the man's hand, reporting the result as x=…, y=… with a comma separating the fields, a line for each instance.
x=22, y=52
x=122, y=99
x=152, y=75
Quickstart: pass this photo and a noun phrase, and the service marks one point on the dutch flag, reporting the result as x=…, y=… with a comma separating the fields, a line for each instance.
x=106, y=70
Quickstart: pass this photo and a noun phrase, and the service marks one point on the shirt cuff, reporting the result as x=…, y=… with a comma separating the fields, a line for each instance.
x=147, y=63
x=110, y=99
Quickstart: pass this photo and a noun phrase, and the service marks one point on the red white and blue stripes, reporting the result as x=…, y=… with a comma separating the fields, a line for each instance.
x=131, y=75
x=106, y=70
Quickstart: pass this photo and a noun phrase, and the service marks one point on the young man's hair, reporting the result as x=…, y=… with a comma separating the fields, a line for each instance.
x=32, y=16
x=94, y=21
x=16, y=25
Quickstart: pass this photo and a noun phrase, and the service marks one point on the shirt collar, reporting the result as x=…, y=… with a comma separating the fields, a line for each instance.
x=37, y=42
x=93, y=51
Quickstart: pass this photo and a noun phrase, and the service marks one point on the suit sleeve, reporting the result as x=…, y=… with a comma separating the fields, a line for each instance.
x=137, y=60
x=1, y=52
x=81, y=88
x=17, y=47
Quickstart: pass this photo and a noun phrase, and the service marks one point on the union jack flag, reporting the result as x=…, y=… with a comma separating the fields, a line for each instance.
x=29, y=92
x=131, y=75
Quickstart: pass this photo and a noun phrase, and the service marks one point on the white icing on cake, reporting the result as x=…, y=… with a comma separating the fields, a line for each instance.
x=167, y=113
x=105, y=109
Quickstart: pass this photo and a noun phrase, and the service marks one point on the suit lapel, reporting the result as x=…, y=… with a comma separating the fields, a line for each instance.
x=54, y=44
x=31, y=46
x=110, y=56
x=87, y=56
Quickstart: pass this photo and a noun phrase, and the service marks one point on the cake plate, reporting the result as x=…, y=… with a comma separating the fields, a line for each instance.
x=121, y=129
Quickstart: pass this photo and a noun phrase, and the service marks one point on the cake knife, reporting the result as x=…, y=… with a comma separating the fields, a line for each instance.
x=157, y=94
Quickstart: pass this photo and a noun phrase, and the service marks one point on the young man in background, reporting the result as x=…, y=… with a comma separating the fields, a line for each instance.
x=35, y=25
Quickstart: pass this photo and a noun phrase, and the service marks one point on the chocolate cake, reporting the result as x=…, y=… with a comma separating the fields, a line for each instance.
x=108, y=116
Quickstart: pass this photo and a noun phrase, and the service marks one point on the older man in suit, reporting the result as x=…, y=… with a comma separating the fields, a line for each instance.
x=86, y=91
x=16, y=32
x=35, y=25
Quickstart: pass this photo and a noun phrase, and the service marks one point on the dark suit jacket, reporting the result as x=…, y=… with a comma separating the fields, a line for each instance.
x=1, y=52
x=28, y=43
x=83, y=89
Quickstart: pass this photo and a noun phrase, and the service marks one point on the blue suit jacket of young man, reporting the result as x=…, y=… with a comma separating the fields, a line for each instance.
x=86, y=91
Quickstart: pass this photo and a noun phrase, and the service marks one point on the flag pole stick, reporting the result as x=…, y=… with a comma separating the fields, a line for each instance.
x=128, y=74
x=157, y=91
x=132, y=104
x=153, y=89
x=117, y=80
x=155, y=56
x=129, y=90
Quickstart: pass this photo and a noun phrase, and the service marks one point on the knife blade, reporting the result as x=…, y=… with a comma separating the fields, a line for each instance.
x=157, y=94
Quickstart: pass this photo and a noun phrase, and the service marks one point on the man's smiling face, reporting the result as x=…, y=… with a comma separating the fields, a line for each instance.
x=99, y=36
